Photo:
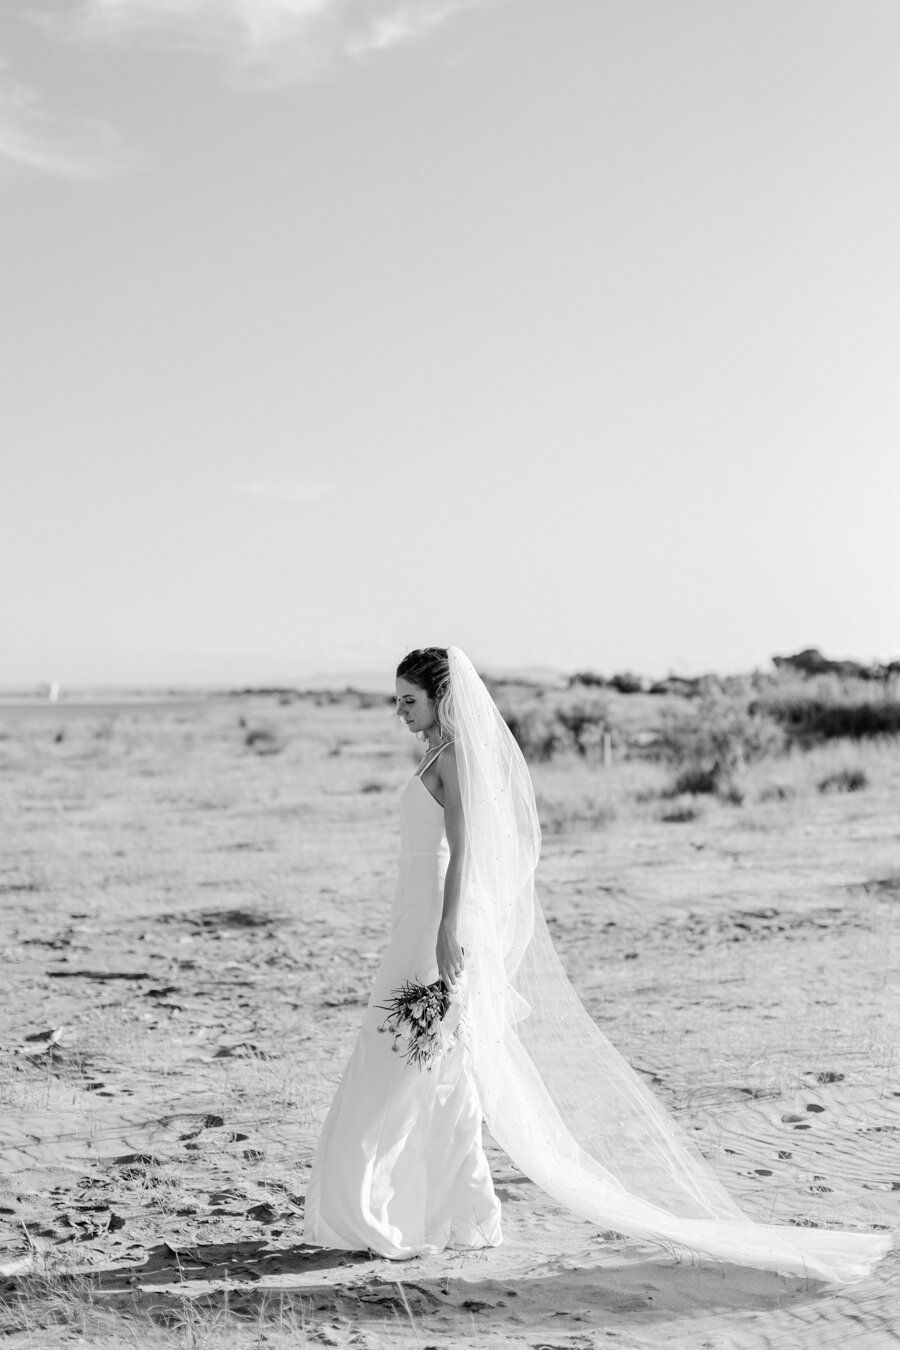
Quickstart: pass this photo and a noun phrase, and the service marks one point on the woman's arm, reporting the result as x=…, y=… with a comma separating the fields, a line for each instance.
x=449, y=953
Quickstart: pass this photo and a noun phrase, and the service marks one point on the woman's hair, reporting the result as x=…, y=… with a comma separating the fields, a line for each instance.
x=429, y=668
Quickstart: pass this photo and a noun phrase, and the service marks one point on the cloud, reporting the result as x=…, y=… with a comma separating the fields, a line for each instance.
x=402, y=24
x=270, y=41
x=267, y=42
x=285, y=492
x=33, y=138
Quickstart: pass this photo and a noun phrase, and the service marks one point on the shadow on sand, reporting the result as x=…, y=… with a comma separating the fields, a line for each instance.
x=251, y=1279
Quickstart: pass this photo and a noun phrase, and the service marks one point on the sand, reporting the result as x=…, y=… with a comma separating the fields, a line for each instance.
x=190, y=923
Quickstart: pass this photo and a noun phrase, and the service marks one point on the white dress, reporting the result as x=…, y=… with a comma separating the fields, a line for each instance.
x=400, y=1168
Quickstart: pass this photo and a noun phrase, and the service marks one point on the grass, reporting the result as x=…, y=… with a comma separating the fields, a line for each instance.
x=801, y=772
x=574, y=796
x=53, y=1303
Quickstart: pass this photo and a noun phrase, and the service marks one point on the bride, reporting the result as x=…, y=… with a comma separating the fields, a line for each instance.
x=400, y=1167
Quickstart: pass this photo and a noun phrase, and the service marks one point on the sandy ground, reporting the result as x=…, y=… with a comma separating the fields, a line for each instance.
x=189, y=929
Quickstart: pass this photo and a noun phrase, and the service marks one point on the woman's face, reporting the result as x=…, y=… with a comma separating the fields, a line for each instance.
x=414, y=706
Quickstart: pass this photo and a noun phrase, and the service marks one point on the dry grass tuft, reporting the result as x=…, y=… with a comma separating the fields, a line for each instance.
x=681, y=815
x=844, y=780
x=263, y=740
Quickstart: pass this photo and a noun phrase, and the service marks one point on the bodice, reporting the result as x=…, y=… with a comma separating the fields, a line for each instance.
x=421, y=821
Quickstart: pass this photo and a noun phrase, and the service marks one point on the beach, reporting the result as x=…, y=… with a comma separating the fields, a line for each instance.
x=195, y=895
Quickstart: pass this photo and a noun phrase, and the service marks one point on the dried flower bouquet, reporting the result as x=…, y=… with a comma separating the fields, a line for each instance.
x=416, y=1020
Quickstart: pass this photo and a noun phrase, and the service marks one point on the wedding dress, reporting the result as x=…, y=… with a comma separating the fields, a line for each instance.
x=400, y=1167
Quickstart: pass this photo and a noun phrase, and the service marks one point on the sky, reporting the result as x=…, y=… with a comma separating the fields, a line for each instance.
x=564, y=330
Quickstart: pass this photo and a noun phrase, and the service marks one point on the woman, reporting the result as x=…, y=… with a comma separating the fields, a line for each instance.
x=400, y=1167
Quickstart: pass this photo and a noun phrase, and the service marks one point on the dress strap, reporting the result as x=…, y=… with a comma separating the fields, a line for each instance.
x=425, y=767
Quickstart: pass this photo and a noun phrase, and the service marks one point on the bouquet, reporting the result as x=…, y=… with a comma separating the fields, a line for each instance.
x=416, y=1019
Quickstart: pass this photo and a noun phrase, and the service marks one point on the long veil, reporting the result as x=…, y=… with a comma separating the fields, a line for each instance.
x=556, y=1095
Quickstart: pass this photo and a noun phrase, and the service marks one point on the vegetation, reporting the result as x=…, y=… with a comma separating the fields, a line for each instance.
x=845, y=780
x=829, y=707
x=572, y=721
x=709, y=743
x=263, y=740
x=710, y=729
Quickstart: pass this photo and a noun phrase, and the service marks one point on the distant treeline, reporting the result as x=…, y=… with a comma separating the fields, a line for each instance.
x=809, y=662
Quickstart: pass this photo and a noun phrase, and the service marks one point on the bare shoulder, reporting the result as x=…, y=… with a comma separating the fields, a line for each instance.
x=451, y=793
x=447, y=767
x=448, y=755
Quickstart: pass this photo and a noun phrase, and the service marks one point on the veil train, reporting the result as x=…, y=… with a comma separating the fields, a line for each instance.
x=556, y=1095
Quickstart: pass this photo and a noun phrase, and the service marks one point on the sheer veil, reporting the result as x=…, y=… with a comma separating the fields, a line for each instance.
x=556, y=1095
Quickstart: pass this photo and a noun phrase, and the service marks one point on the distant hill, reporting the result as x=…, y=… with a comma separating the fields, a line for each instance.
x=381, y=681
x=539, y=675
x=372, y=681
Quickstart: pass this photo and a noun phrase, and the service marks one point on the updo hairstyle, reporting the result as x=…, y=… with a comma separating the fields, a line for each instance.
x=428, y=668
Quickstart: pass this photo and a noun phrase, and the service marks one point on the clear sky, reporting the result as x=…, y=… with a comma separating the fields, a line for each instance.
x=565, y=330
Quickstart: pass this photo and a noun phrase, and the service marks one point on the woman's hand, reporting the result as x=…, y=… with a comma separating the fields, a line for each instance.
x=450, y=957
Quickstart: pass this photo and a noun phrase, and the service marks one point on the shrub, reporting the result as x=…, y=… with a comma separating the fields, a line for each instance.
x=573, y=721
x=589, y=678
x=628, y=683
x=710, y=743
x=888, y=887
x=263, y=741
x=811, y=661
x=585, y=717
x=680, y=815
x=826, y=707
x=844, y=780
x=537, y=730
x=696, y=780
